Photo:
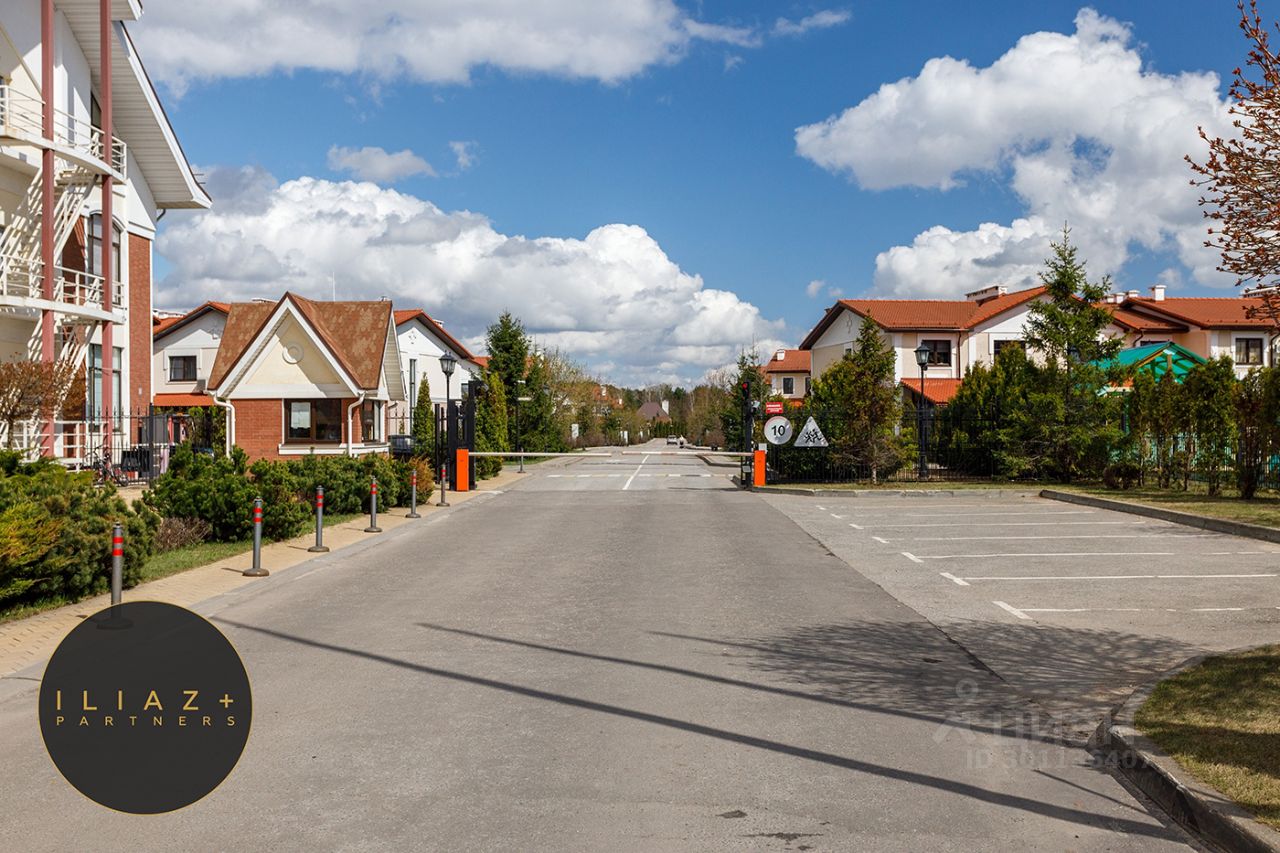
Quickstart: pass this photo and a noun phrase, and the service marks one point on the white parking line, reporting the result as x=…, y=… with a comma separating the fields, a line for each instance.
x=1061, y=536
x=833, y=515
x=1142, y=609
x=1015, y=611
x=1050, y=554
x=823, y=508
x=955, y=580
x=912, y=557
x=1013, y=523
x=881, y=541
x=1009, y=514
x=1112, y=577
x=855, y=526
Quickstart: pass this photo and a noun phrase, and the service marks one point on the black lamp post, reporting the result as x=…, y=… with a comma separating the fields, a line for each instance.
x=922, y=359
x=447, y=364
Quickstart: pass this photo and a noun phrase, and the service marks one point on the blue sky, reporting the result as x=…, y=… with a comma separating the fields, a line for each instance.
x=750, y=233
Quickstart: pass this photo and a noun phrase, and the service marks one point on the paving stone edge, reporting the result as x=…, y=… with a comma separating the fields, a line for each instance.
x=1218, y=525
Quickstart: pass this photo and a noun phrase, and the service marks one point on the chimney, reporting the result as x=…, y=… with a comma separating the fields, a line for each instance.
x=1131, y=294
x=1157, y=292
x=666, y=406
x=780, y=355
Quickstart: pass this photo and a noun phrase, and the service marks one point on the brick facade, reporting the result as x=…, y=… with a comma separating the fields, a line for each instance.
x=138, y=395
x=260, y=427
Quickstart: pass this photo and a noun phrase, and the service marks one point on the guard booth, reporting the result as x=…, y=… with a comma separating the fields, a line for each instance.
x=456, y=429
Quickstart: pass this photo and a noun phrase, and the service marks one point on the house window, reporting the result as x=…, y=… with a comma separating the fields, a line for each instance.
x=939, y=353
x=998, y=346
x=93, y=257
x=182, y=368
x=312, y=421
x=371, y=420
x=1249, y=351
x=788, y=385
x=808, y=385
x=95, y=381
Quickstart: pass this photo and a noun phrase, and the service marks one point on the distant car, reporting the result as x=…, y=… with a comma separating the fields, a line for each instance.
x=671, y=439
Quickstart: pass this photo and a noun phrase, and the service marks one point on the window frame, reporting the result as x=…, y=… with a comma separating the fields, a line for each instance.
x=93, y=247
x=193, y=360
x=311, y=438
x=1246, y=340
x=934, y=352
x=371, y=412
x=1000, y=343
x=788, y=385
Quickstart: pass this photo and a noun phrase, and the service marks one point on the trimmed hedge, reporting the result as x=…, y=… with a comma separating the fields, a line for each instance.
x=221, y=490
x=55, y=533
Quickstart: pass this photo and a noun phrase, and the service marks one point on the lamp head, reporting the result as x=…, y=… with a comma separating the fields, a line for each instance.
x=922, y=355
x=447, y=364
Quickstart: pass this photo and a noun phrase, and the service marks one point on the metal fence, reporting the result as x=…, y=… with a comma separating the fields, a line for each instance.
x=917, y=448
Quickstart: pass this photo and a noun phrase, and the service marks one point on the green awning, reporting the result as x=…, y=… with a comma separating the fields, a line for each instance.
x=1156, y=359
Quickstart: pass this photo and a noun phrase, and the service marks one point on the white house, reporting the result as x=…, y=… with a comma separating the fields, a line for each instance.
x=422, y=341
x=183, y=352
x=83, y=141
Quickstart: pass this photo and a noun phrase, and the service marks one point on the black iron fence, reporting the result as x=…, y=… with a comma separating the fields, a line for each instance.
x=913, y=448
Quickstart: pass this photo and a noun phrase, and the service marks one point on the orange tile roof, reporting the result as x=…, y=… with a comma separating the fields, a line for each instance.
x=482, y=360
x=182, y=401
x=793, y=361
x=1141, y=322
x=161, y=326
x=404, y=316
x=354, y=332
x=936, y=391
x=923, y=314
x=1209, y=312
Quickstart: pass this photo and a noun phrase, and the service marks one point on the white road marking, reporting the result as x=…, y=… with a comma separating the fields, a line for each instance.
x=957, y=581
x=855, y=526
x=580, y=477
x=823, y=508
x=1141, y=609
x=1015, y=611
x=881, y=541
x=1010, y=514
x=1012, y=523
x=1051, y=554
x=1061, y=536
x=627, y=485
x=615, y=475
x=1108, y=577
x=554, y=476
x=833, y=515
x=912, y=557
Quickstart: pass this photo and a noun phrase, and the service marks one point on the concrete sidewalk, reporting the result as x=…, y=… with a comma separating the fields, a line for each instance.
x=24, y=642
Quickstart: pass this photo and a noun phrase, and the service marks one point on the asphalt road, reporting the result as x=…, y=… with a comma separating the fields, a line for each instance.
x=597, y=662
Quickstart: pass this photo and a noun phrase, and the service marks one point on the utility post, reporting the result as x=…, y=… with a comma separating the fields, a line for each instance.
x=520, y=398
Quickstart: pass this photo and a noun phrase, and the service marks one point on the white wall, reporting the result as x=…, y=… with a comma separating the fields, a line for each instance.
x=200, y=338
x=419, y=344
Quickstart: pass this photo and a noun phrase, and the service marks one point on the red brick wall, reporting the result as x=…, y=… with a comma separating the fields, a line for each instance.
x=138, y=395
x=260, y=426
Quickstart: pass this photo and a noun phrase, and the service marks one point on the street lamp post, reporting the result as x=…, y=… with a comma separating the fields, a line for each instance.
x=447, y=364
x=922, y=359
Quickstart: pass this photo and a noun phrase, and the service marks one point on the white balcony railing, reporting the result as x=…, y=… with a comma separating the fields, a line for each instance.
x=22, y=117
x=21, y=278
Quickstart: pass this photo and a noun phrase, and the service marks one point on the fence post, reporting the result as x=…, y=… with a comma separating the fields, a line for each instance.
x=319, y=547
x=373, y=507
x=413, y=493
x=256, y=570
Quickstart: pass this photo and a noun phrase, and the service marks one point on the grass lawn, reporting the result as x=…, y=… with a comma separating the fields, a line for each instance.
x=1264, y=509
x=163, y=565
x=917, y=486
x=1221, y=721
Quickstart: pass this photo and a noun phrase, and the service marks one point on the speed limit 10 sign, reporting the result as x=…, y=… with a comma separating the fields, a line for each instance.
x=778, y=430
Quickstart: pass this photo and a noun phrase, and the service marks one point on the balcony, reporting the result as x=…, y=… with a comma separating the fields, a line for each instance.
x=76, y=294
x=22, y=120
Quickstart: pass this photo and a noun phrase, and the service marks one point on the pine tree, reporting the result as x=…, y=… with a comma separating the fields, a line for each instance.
x=751, y=377
x=424, y=423
x=491, y=424
x=1208, y=389
x=537, y=417
x=508, y=357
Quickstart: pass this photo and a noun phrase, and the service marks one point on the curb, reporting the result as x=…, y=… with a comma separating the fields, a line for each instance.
x=896, y=493
x=1218, y=525
x=1202, y=810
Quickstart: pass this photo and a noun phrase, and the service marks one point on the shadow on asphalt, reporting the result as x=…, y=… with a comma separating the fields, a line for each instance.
x=1007, y=800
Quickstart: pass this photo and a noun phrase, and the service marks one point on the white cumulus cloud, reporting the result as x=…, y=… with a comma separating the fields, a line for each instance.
x=465, y=153
x=375, y=164
x=1081, y=130
x=611, y=297
x=422, y=40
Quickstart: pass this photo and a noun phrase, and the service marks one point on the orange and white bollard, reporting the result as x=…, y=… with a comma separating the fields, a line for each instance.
x=757, y=468
x=256, y=570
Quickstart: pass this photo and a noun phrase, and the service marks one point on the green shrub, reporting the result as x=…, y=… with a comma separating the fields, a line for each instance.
x=55, y=534
x=214, y=489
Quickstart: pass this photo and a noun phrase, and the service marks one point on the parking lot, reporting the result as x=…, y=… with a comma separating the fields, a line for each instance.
x=1074, y=605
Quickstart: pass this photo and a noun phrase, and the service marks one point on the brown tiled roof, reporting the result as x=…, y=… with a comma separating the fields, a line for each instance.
x=410, y=313
x=1139, y=322
x=792, y=361
x=936, y=391
x=653, y=411
x=354, y=332
x=923, y=314
x=181, y=401
x=161, y=326
x=1220, y=312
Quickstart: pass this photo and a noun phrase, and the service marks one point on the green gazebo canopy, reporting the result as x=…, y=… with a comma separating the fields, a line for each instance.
x=1156, y=359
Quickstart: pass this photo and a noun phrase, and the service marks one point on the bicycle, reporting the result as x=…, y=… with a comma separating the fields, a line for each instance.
x=104, y=471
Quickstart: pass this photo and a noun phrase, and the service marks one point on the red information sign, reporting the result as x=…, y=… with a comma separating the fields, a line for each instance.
x=773, y=408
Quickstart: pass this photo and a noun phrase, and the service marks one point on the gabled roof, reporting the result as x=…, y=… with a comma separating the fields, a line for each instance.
x=936, y=391
x=354, y=332
x=1138, y=322
x=653, y=411
x=792, y=361
x=1207, y=312
x=162, y=326
x=410, y=314
x=1157, y=359
x=904, y=315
